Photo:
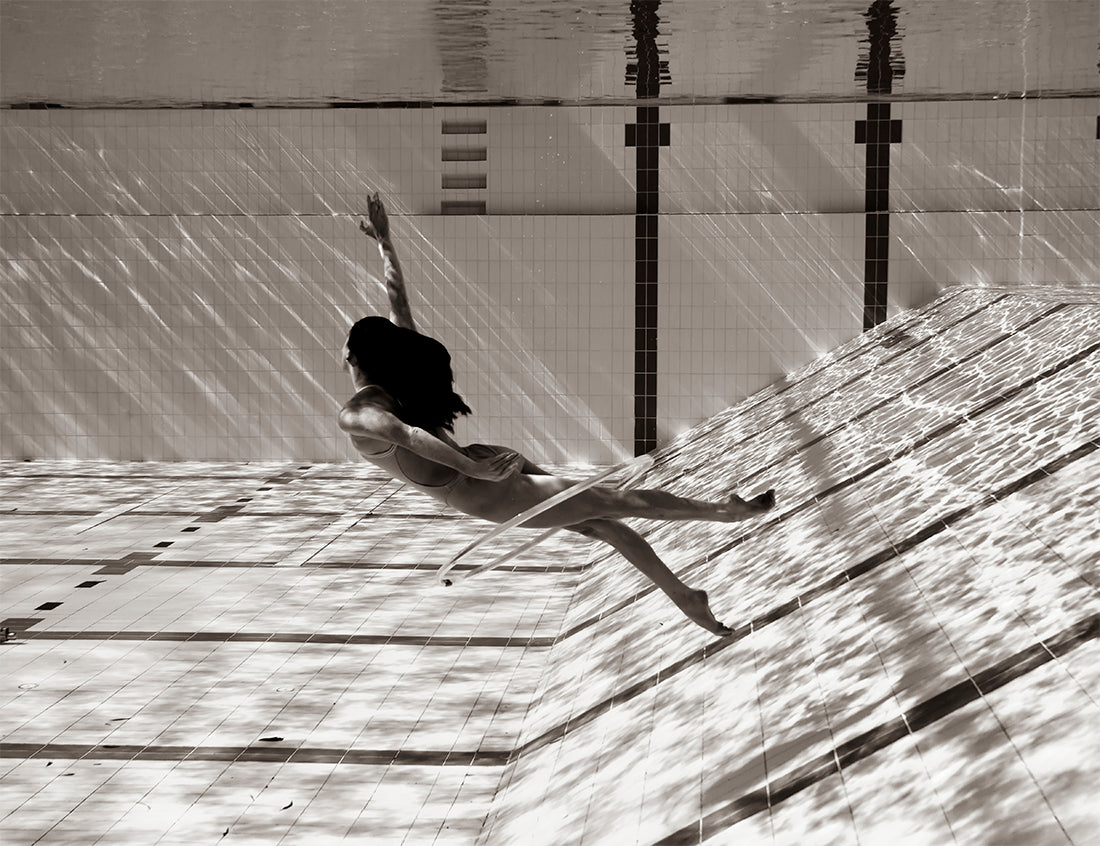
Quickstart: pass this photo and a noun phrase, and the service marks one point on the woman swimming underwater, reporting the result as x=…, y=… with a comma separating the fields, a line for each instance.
x=404, y=410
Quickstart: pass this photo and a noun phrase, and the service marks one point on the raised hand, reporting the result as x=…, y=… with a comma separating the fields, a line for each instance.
x=500, y=466
x=379, y=226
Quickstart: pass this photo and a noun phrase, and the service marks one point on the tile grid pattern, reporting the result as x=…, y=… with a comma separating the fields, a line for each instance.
x=554, y=751
x=870, y=639
x=218, y=248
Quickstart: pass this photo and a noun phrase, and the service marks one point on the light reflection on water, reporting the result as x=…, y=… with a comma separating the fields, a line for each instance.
x=340, y=50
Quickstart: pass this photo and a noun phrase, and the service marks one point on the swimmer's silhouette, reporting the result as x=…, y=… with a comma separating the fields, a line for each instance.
x=403, y=412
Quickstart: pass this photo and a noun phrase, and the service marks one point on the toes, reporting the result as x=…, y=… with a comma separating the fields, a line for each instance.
x=765, y=500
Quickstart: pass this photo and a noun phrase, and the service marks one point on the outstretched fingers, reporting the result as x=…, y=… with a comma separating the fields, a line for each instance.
x=379, y=225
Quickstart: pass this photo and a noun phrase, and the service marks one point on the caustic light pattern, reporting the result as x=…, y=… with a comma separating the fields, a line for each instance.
x=260, y=652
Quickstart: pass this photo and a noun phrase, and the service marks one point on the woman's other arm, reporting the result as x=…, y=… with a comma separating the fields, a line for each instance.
x=370, y=421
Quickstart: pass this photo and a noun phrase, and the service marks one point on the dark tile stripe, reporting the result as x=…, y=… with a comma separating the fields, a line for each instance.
x=878, y=132
x=807, y=774
x=778, y=612
x=647, y=136
x=117, y=567
x=23, y=624
x=878, y=738
x=273, y=753
x=555, y=102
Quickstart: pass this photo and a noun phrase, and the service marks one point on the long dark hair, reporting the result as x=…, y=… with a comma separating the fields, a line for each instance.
x=412, y=368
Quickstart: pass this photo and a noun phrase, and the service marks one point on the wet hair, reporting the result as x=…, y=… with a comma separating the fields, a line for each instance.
x=413, y=369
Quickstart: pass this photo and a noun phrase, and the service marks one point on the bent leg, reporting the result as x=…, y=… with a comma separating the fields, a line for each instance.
x=638, y=552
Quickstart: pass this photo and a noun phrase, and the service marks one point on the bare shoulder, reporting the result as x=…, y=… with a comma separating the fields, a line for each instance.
x=370, y=411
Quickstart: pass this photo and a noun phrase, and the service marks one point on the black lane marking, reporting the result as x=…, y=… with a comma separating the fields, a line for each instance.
x=920, y=716
x=647, y=136
x=795, y=603
x=878, y=132
x=878, y=738
x=126, y=564
x=18, y=625
x=845, y=754
x=459, y=641
x=235, y=512
x=846, y=483
x=288, y=754
x=114, y=567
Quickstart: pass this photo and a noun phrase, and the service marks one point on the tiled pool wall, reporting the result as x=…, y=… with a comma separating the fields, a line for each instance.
x=256, y=651
x=178, y=282
x=911, y=622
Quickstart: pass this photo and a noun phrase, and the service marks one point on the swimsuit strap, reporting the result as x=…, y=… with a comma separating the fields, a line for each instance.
x=386, y=453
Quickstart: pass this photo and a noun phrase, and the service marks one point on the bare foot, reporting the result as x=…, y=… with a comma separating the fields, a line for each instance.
x=740, y=509
x=697, y=608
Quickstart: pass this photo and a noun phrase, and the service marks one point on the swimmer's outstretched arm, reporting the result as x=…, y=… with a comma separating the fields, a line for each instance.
x=370, y=421
x=379, y=230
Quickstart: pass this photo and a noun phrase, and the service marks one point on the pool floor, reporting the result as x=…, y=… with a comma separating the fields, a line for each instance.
x=260, y=653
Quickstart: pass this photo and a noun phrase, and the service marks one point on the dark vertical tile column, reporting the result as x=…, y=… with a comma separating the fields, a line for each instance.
x=647, y=136
x=878, y=132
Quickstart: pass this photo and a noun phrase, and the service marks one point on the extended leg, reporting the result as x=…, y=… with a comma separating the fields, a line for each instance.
x=610, y=504
x=639, y=553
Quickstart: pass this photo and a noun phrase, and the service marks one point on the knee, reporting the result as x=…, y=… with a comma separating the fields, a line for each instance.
x=589, y=529
x=597, y=529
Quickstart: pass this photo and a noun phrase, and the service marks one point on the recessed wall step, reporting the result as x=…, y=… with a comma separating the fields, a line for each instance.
x=464, y=207
x=465, y=127
x=462, y=180
x=465, y=154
